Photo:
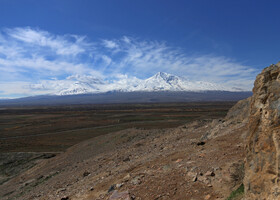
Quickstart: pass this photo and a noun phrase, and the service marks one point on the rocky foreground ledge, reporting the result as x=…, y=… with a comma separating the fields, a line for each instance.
x=263, y=142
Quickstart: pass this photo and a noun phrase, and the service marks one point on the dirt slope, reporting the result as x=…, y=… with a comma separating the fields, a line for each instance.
x=141, y=164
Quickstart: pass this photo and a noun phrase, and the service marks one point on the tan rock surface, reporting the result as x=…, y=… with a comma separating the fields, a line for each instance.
x=262, y=149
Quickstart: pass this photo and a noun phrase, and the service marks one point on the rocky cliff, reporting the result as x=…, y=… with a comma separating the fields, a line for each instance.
x=263, y=141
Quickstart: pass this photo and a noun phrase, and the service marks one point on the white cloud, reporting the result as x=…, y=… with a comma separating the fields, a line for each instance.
x=34, y=56
x=18, y=89
x=59, y=44
x=148, y=57
x=126, y=39
x=107, y=60
x=25, y=50
x=110, y=44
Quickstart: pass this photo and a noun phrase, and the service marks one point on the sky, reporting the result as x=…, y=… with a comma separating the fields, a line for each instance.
x=44, y=42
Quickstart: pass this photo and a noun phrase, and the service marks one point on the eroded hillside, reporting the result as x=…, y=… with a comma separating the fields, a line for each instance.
x=200, y=160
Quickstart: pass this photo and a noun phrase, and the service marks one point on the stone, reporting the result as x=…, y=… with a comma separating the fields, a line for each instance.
x=200, y=143
x=194, y=179
x=126, y=178
x=192, y=174
x=179, y=160
x=86, y=173
x=116, y=195
x=119, y=185
x=28, y=182
x=209, y=173
x=127, y=159
x=217, y=168
x=204, y=180
x=262, y=162
x=202, y=155
x=65, y=198
x=111, y=188
x=60, y=190
x=207, y=197
x=136, y=180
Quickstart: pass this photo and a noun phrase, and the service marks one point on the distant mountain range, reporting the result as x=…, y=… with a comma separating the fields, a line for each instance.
x=159, y=82
x=162, y=87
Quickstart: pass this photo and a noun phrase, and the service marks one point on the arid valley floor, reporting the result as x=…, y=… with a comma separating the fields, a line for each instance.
x=121, y=151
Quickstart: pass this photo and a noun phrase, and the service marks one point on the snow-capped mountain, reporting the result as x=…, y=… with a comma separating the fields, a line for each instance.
x=159, y=82
x=167, y=82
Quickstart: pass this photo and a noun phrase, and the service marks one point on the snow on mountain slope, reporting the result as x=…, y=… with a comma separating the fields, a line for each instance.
x=82, y=85
x=167, y=82
x=159, y=82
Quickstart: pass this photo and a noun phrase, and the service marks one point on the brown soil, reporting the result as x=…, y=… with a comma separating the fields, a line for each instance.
x=149, y=164
x=54, y=129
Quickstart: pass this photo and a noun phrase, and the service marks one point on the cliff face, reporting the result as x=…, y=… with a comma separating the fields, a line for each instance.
x=262, y=163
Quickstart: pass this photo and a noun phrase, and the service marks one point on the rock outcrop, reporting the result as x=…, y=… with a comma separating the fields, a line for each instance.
x=236, y=119
x=263, y=142
x=239, y=113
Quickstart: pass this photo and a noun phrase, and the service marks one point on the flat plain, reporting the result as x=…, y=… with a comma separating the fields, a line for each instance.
x=55, y=128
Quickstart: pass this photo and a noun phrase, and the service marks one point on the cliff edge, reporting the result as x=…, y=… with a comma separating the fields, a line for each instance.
x=263, y=141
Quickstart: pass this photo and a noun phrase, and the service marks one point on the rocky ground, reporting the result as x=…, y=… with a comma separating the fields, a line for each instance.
x=200, y=160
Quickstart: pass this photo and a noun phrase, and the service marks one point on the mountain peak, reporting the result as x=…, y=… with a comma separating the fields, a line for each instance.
x=161, y=81
x=165, y=76
x=162, y=74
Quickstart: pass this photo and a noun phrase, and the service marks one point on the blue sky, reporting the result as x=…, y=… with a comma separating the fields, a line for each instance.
x=225, y=42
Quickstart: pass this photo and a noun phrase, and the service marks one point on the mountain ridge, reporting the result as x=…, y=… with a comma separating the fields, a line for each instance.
x=161, y=81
